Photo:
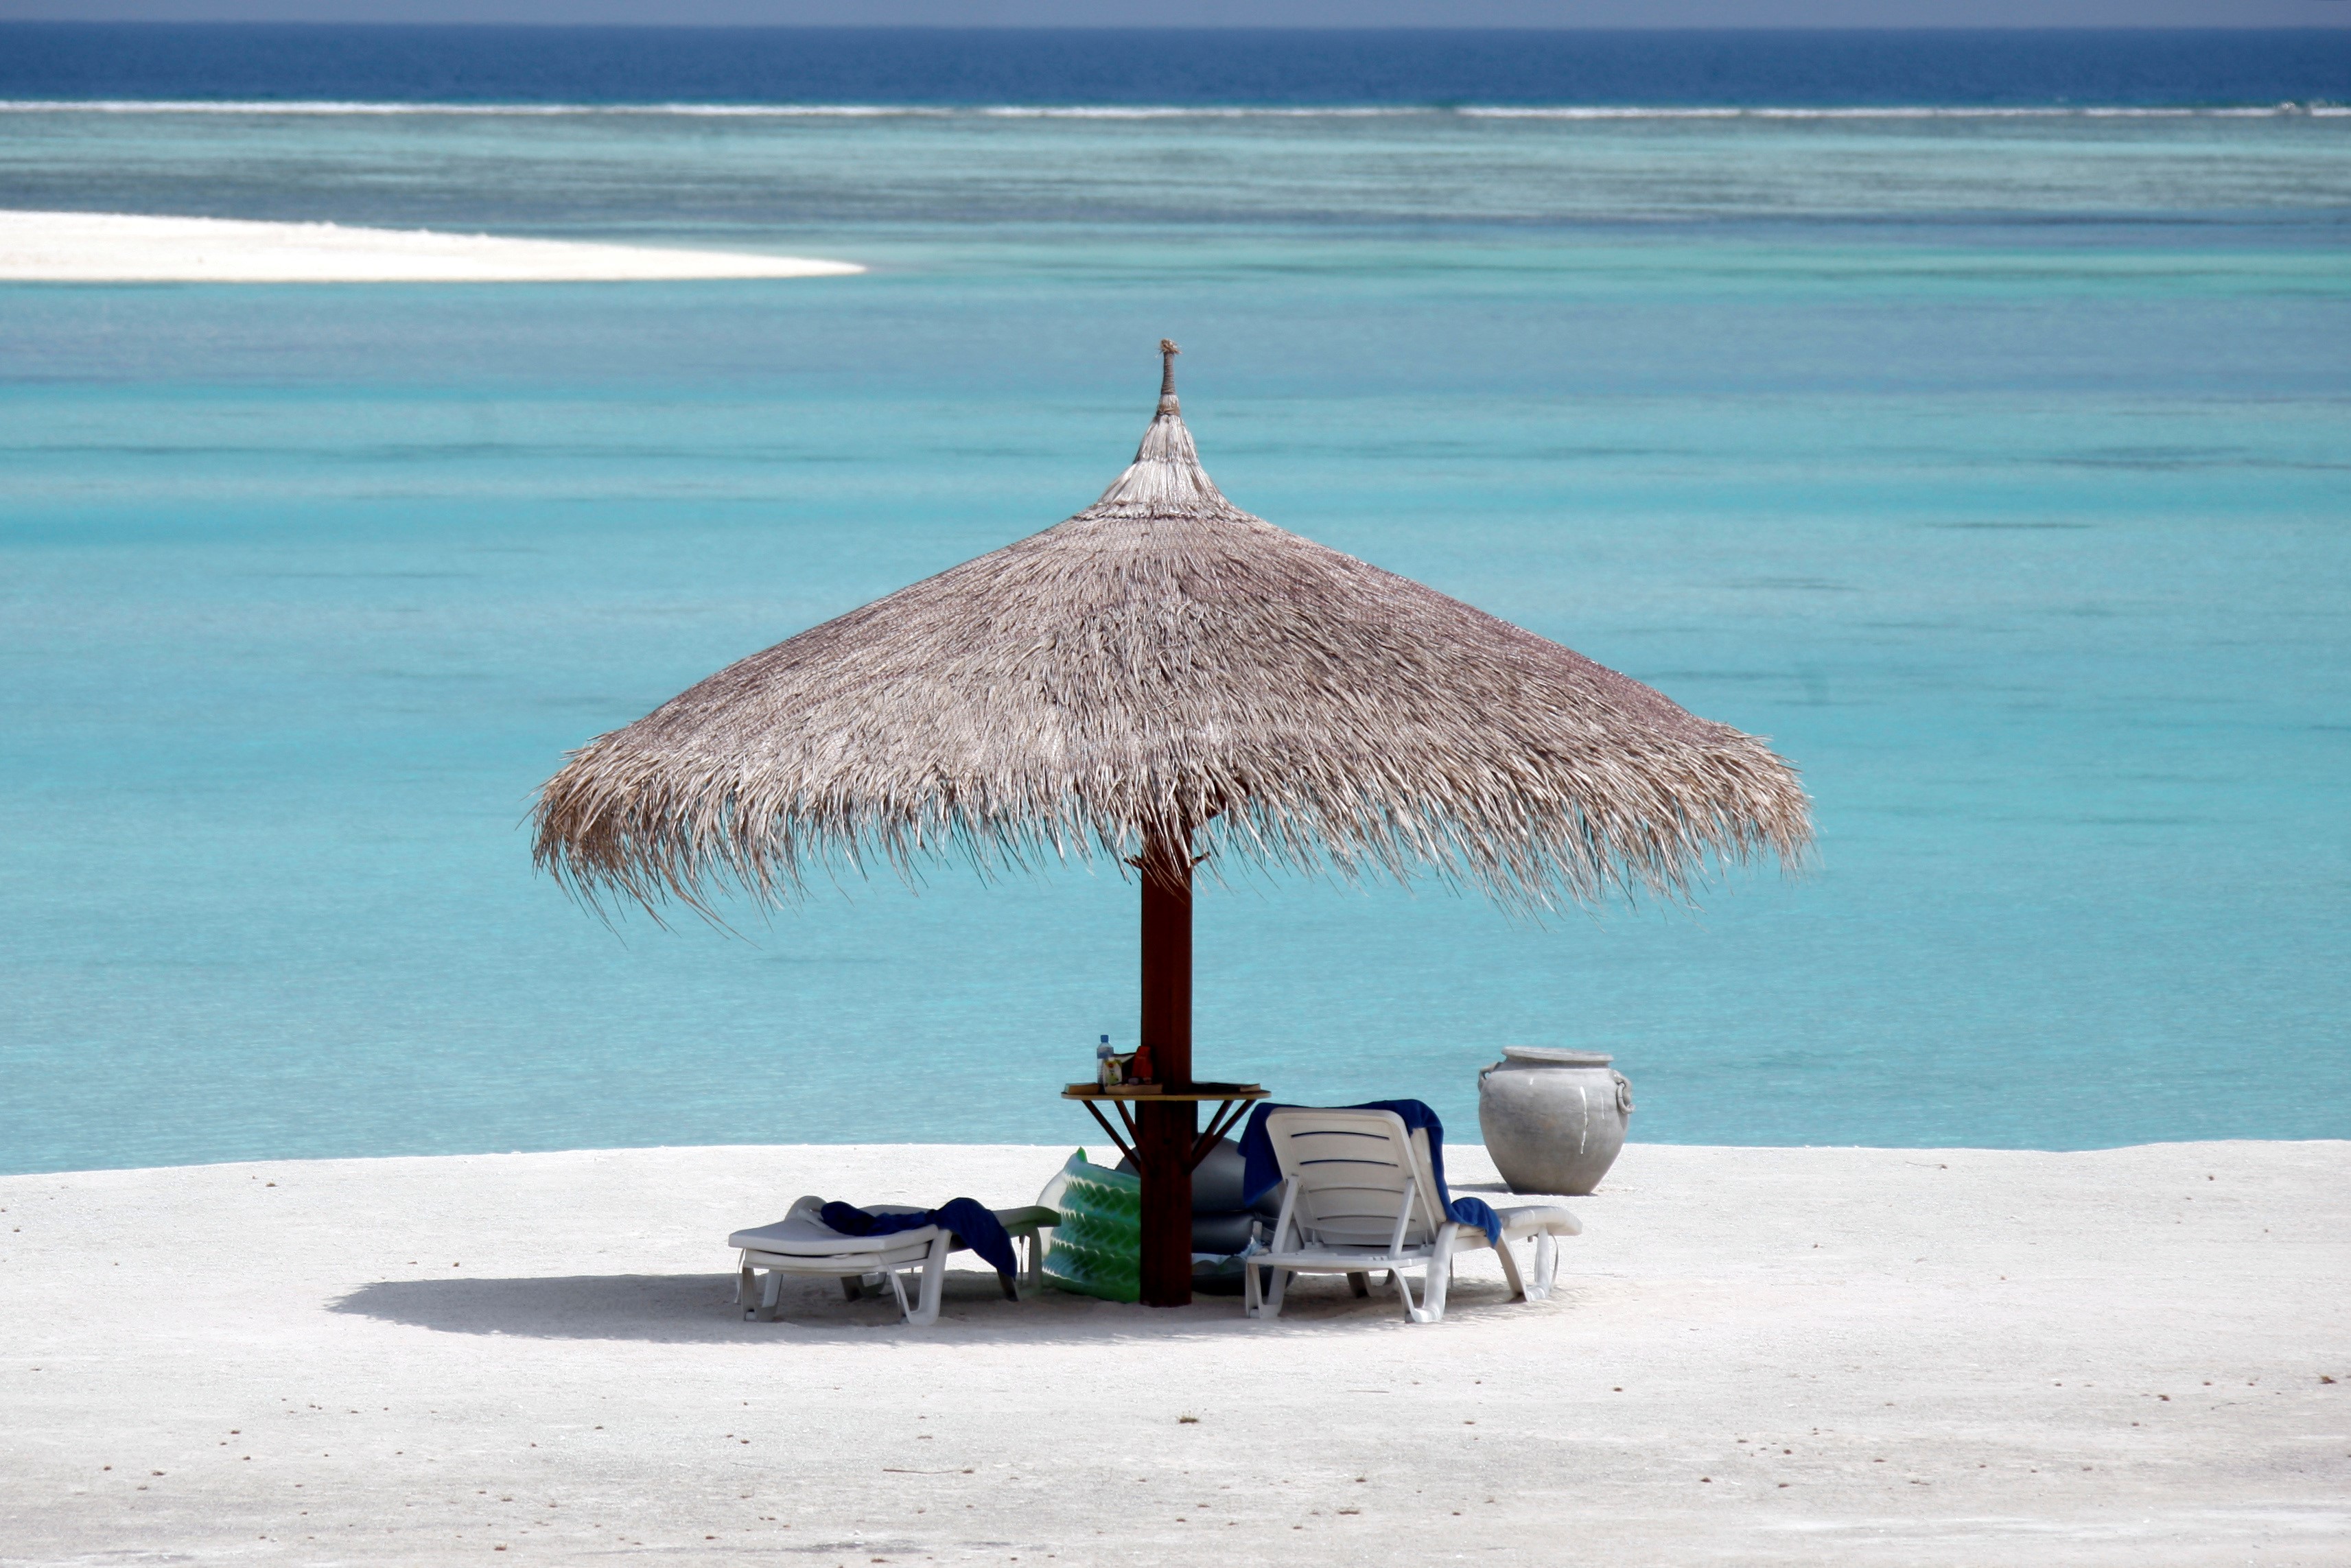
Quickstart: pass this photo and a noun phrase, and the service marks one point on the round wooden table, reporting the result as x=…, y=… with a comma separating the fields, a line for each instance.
x=1233, y=1102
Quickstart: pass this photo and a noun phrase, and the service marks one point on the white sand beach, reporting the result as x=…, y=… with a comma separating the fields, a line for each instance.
x=1756, y=1356
x=120, y=247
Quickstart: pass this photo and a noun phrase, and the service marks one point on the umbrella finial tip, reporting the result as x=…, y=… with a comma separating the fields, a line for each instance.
x=1168, y=352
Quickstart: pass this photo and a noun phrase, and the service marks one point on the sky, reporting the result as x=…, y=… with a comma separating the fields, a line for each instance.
x=1228, y=13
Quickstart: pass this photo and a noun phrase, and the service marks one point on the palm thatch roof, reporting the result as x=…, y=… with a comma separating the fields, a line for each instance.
x=1159, y=666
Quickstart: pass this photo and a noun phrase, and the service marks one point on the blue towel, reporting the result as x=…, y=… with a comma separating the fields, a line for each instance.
x=1264, y=1170
x=973, y=1221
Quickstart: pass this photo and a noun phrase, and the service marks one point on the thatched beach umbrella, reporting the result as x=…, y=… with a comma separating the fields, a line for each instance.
x=1165, y=676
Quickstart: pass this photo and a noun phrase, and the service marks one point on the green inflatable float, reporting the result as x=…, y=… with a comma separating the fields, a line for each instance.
x=1097, y=1248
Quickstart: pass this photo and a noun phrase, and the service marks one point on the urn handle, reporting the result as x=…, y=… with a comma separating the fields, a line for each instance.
x=1623, y=1092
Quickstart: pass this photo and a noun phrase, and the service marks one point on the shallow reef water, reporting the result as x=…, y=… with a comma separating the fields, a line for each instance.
x=1995, y=468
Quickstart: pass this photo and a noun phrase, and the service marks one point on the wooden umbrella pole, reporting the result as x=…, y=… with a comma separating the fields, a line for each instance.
x=1165, y=1132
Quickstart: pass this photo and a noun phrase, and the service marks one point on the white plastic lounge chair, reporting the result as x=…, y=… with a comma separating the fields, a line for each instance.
x=1358, y=1195
x=800, y=1243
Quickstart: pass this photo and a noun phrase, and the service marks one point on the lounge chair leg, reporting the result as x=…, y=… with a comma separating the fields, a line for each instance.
x=1510, y=1272
x=1274, y=1293
x=935, y=1272
x=898, y=1289
x=1546, y=1266
x=1361, y=1283
x=1437, y=1280
x=851, y=1287
x=768, y=1297
x=746, y=1288
x=1435, y=1285
x=1412, y=1315
x=1252, y=1290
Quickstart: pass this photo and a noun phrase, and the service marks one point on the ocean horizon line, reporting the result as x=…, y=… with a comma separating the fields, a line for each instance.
x=1932, y=29
x=2318, y=108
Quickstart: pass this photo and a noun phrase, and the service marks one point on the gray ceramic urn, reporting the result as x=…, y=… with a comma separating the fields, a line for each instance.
x=1553, y=1120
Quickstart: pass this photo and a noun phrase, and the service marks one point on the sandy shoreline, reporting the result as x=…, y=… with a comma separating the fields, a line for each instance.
x=120, y=248
x=1757, y=1355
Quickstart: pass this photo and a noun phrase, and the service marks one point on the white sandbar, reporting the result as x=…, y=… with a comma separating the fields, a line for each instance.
x=118, y=247
x=1757, y=1356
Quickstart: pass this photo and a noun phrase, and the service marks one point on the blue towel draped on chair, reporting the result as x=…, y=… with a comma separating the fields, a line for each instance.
x=969, y=1217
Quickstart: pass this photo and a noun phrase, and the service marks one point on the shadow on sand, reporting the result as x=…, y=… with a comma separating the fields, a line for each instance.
x=699, y=1309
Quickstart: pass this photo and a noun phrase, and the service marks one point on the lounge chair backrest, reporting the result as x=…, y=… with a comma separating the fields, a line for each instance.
x=1352, y=1169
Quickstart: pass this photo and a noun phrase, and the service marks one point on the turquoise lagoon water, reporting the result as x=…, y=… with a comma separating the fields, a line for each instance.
x=1996, y=467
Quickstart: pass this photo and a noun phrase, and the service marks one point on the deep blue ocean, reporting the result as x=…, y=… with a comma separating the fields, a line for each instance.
x=1184, y=68
x=1966, y=413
